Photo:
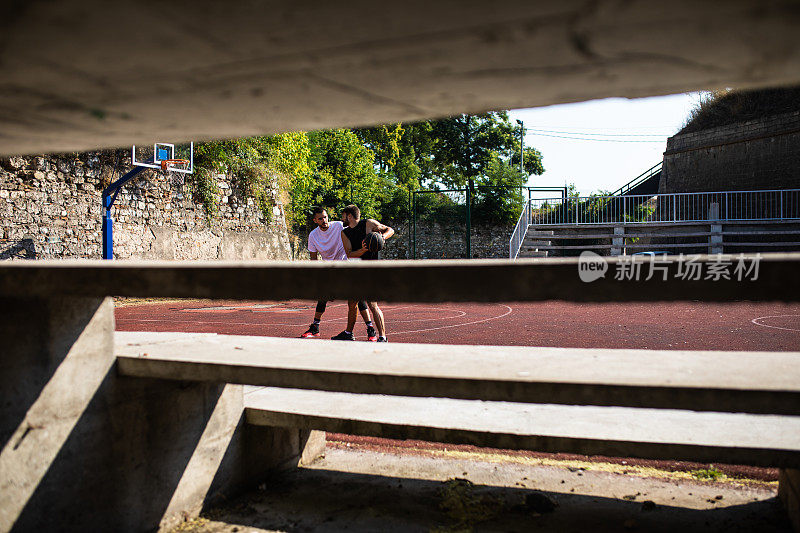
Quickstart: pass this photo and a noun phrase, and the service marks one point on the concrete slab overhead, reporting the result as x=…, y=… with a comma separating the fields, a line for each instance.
x=81, y=74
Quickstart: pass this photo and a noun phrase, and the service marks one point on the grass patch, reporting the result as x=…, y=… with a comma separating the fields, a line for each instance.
x=708, y=474
x=722, y=108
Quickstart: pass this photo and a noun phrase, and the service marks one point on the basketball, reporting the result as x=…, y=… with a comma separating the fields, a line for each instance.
x=374, y=242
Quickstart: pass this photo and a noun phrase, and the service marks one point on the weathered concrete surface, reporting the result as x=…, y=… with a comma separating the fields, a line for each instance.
x=54, y=357
x=757, y=154
x=82, y=449
x=365, y=491
x=77, y=75
x=482, y=280
x=789, y=492
x=754, y=382
x=164, y=244
x=762, y=440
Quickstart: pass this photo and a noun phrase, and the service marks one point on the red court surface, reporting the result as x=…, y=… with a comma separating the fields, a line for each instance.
x=668, y=326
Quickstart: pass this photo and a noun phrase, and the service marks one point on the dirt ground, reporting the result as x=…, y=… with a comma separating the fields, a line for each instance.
x=361, y=490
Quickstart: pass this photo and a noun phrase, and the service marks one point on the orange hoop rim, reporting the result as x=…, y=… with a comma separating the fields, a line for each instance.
x=165, y=163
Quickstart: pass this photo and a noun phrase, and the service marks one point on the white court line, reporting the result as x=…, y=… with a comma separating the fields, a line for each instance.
x=459, y=315
x=453, y=325
x=219, y=323
x=757, y=323
x=509, y=311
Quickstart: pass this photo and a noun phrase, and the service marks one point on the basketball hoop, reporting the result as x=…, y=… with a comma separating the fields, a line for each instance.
x=167, y=164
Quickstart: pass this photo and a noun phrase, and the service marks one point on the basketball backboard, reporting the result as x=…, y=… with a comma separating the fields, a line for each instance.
x=178, y=157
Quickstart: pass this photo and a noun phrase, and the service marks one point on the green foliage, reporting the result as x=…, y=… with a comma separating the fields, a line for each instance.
x=709, y=474
x=454, y=150
x=252, y=163
x=440, y=207
x=257, y=181
x=458, y=498
x=344, y=172
x=498, y=195
x=206, y=192
x=378, y=168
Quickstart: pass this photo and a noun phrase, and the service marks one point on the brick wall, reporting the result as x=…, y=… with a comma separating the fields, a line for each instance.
x=50, y=208
x=754, y=155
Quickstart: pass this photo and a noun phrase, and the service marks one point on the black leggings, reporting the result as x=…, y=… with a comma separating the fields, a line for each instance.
x=322, y=304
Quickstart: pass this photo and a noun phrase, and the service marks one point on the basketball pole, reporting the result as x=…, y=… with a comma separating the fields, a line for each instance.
x=108, y=202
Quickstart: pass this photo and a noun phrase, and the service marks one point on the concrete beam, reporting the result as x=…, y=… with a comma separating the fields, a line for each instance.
x=750, y=382
x=79, y=74
x=789, y=493
x=621, y=432
x=488, y=280
x=83, y=449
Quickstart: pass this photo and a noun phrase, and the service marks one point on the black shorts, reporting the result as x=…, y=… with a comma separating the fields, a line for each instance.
x=322, y=304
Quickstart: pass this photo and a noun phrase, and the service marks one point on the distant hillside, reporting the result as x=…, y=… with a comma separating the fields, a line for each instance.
x=730, y=107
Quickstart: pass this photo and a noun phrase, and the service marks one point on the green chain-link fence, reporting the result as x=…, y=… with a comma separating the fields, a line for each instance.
x=447, y=223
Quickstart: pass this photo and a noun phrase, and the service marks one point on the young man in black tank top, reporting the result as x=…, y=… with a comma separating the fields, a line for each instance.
x=353, y=235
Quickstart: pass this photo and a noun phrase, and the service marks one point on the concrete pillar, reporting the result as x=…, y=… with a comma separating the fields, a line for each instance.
x=84, y=450
x=789, y=493
x=715, y=239
x=618, y=242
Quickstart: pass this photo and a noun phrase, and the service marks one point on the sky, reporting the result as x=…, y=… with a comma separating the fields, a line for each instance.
x=602, y=144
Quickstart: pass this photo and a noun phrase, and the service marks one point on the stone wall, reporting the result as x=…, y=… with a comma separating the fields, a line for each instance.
x=51, y=208
x=435, y=241
x=754, y=155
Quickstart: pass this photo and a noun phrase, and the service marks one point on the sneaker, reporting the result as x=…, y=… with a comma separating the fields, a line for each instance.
x=372, y=336
x=383, y=339
x=344, y=336
x=313, y=331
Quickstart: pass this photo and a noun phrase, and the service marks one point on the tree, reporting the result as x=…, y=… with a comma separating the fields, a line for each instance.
x=463, y=147
x=344, y=171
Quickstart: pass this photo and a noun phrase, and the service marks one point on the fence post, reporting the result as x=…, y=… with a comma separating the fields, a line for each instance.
x=414, y=222
x=576, y=209
x=727, y=214
x=469, y=219
x=410, y=223
x=715, y=239
x=618, y=240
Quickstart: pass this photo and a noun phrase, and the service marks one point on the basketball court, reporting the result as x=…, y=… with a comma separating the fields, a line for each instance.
x=655, y=326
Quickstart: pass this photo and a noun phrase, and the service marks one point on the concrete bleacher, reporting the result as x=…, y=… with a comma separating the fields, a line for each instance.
x=95, y=418
x=737, y=382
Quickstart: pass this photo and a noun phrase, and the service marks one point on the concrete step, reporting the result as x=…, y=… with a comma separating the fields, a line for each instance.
x=538, y=233
x=532, y=253
x=536, y=243
x=623, y=432
x=748, y=382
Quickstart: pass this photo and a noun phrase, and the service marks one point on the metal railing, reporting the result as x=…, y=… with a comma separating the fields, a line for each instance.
x=674, y=207
x=515, y=244
x=641, y=178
